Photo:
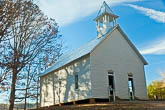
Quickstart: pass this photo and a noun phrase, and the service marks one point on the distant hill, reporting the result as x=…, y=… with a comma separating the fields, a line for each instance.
x=3, y=107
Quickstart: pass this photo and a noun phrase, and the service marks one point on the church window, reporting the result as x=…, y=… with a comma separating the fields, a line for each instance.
x=76, y=81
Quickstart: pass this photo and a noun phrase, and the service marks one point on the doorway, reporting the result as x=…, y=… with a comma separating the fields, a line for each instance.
x=131, y=90
x=111, y=86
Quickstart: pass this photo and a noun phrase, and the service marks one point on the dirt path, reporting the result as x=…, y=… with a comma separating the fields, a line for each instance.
x=120, y=105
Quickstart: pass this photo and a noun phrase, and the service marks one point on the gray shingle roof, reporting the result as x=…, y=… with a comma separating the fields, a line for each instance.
x=73, y=55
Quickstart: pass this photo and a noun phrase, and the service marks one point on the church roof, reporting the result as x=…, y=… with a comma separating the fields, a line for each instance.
x=73, y=55
x=86, y=49
x=105, y=9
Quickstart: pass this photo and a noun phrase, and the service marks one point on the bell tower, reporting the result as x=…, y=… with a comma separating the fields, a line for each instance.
x=105, y=20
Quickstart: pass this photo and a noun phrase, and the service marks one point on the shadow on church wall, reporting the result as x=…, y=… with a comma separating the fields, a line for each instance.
x=59, y=87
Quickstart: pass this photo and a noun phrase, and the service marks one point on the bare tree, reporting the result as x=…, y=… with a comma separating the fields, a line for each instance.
x=30, y=32
x=8, y=12
x=31, y=87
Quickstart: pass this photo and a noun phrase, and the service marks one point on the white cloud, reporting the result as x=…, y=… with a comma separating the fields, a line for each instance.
x=68, y=11
x=155, y=47
x=158, y=16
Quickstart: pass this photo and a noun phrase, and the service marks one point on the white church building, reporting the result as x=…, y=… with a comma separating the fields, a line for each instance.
x=108, y=67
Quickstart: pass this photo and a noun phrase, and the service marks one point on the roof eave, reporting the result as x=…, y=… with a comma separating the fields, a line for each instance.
x=125, y=36
x=113, y=15
x=135, y=49
x=106, y=35
x=46, y=73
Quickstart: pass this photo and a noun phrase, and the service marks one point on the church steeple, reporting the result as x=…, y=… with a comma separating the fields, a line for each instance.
x=105, y=19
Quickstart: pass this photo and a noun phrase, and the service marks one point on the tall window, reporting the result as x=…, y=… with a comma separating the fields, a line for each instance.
x=76, y=81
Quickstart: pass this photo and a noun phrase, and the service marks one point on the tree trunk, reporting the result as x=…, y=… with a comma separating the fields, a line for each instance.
x=12, y=94
x=26, y=92
x=25, y=98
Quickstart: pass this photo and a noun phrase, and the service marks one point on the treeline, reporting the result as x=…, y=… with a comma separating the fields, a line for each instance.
x=17, y=106
x=156, y=90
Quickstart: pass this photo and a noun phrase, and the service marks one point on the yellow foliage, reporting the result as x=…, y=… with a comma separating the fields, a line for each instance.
x=156, y=90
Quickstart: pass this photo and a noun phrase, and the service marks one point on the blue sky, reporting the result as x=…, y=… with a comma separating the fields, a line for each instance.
x=142, y=20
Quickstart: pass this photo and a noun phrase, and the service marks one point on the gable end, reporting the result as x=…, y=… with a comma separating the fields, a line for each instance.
x=129, y=42
x=133, y=47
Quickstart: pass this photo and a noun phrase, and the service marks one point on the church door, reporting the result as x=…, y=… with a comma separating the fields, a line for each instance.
x=111, y=89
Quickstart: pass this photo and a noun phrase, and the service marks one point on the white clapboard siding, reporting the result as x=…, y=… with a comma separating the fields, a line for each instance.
x=66, y=76
x=115, y=53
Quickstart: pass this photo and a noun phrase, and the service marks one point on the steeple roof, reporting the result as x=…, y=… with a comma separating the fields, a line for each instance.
x=105, y=9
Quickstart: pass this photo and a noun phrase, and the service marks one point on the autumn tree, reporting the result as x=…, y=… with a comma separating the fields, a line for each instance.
x=163, y=79
x=30, y=32
x=156, y=90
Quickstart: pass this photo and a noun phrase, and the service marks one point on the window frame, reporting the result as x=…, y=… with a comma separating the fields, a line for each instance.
x=76, y=79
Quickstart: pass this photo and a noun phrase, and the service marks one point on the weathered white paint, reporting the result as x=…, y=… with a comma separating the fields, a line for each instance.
x=115, y=53
x=50, y=83
x=46, y=89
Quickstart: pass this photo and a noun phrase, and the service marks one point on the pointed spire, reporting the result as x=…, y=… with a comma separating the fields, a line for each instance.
x=105, y=9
